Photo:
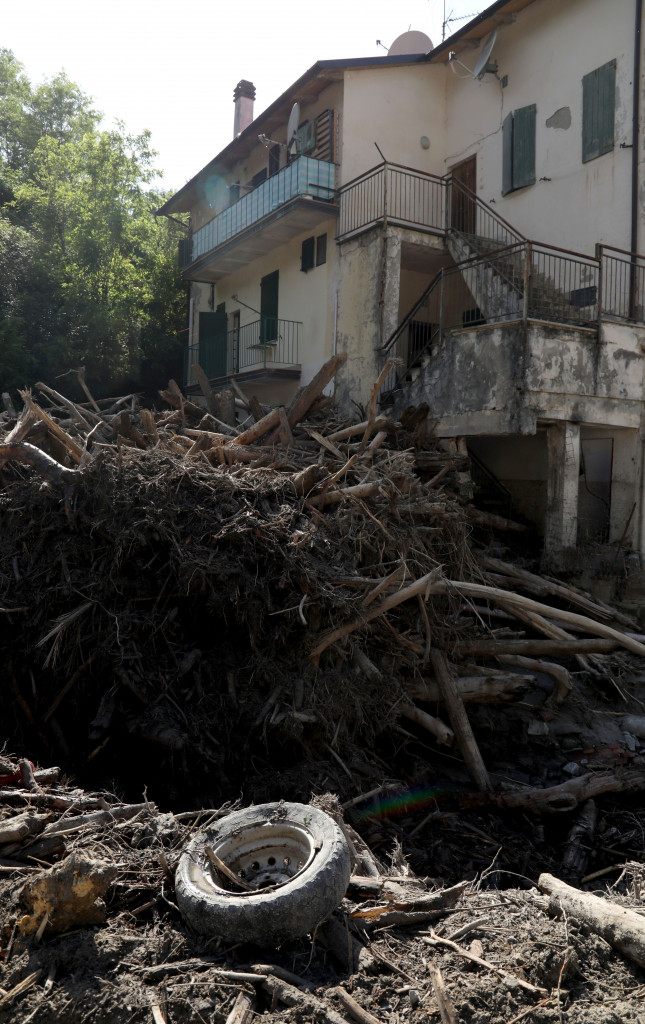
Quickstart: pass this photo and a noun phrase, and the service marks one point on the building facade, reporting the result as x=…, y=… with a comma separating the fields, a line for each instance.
x=474, y=211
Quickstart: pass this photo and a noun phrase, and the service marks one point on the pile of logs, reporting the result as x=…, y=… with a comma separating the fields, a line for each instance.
x=430, y=624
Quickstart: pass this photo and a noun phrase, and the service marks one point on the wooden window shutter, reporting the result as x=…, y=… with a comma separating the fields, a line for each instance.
x=598, y=111
x=507, y=171
x=518, y=141
x=524, y=146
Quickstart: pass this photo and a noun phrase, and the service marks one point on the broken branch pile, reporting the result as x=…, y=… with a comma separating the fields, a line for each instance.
x=288, y=604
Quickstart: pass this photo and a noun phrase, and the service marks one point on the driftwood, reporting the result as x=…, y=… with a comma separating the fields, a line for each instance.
x=622, y=928
x=459, y=721
x=485, y=689
x=569, y=794
x=488, y=647
x=563, y=685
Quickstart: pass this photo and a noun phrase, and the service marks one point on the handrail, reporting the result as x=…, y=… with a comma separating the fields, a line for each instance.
x=453, y=182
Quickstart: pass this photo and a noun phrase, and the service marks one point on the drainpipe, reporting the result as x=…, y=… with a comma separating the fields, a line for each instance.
x=636, y=104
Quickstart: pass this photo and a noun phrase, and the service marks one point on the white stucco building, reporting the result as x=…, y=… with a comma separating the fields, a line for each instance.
x=481, y=227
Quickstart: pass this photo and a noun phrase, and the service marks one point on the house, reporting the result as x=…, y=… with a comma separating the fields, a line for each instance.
x=475, y=211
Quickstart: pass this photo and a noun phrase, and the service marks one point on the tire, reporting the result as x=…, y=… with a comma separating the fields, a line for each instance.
x=294, y=860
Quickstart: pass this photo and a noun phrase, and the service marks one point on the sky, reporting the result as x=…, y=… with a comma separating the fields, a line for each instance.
x=171, y=67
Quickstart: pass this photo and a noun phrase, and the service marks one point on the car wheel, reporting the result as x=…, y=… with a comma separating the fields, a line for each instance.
x=264, y=874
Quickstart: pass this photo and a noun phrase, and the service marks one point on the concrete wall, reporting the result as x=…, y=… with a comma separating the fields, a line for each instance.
x=544, y=54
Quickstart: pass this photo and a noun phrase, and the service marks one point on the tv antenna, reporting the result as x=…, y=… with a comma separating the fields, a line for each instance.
x=482, y=67
x=450, y=18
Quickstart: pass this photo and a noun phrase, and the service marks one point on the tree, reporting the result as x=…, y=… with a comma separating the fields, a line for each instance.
x=92, y=275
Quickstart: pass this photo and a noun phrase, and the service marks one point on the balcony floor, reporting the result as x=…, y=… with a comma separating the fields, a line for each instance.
x=300, y=215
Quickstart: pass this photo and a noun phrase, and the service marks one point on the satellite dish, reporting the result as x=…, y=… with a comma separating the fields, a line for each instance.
x=410, y=42
x=481, y=67
x=294, y=121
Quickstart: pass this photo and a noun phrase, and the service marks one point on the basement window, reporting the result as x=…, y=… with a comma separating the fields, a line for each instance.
x=518, y=133
x=598, y=109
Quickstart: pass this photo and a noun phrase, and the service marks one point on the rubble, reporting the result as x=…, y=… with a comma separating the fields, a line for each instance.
x=205, y=614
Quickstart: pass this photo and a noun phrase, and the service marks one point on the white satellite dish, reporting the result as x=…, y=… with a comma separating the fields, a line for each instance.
x=482, y=67
x=410, y=42
x=292, y=127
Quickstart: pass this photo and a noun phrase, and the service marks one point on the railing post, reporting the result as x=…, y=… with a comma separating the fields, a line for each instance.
x=385, y=196
x=601, y=282
x=528, y=267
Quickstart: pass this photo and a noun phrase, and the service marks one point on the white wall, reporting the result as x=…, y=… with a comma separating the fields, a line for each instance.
x=545, y=52
x=394, y=107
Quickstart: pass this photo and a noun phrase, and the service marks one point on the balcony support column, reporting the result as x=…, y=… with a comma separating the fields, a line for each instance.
x=390, y=283
x=563, y=471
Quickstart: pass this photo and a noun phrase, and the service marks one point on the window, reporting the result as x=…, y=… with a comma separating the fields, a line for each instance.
x=321, y=250
x=598, y=106
x=307, y=254
x=259, y=178
x=519, y=149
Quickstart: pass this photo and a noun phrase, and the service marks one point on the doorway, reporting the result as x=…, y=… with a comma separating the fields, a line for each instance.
x=463, y=209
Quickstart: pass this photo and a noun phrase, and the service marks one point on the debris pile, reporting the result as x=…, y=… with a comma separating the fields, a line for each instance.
x=97, y=936
x=196, y=610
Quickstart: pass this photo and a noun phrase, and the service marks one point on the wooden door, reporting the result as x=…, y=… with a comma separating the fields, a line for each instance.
x=463, y=209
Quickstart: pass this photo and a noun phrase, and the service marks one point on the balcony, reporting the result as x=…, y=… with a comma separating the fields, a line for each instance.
x=265, y=348
x=294, y=200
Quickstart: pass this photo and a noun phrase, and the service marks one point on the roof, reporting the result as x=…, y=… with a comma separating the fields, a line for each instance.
x=499, y=13
x=306, y=89
x=323, y=73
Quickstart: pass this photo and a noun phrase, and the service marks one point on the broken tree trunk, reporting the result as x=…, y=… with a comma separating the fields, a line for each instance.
x=459, y=721
x=622, y=928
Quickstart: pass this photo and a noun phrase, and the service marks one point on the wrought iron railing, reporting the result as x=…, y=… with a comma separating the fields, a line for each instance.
x=394, y=194
x=267, y=343
x=469, y=216
x=303, y=177
x=518, y=282
x=622, y=290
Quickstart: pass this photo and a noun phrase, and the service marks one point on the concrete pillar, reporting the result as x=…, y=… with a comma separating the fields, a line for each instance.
x=563, y=470
x=391, y=283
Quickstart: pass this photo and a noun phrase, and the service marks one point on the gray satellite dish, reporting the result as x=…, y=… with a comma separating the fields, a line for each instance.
x=482, y=66
x=292, y=127
x=410, y=42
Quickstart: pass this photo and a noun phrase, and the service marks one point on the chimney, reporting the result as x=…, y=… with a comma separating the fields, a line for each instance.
x=243, y=96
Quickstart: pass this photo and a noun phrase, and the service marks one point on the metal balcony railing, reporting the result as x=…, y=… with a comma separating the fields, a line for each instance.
x=622, y=288
x=264, y=344
x=524, y=281
x=392, y=193
x=303, y=177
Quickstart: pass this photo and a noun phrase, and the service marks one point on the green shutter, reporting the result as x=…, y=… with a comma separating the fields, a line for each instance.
x=269, y=307
x=598, y=111
x=507, y=170
x=212, y=343
x=524, y=146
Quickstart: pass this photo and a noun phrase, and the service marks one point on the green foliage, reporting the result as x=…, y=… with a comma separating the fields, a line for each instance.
x=88, y=274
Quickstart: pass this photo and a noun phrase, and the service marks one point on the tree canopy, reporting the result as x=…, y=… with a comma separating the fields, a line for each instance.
x=88, y=274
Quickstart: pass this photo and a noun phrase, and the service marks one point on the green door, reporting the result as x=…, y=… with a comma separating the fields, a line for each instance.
x=269, y=307
x=212, y=343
